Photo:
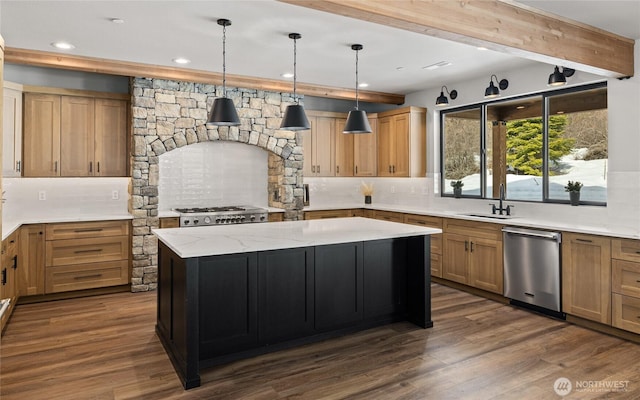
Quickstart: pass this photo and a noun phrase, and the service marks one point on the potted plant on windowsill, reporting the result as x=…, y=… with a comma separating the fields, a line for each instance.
x=457, y=188
x=574, y=192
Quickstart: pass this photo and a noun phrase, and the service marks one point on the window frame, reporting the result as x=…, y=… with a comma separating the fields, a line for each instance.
x=545, y=96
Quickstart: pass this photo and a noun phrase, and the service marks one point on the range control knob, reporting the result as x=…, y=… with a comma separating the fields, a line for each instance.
x=253, y=218
x=262, y=218
x=217, y=220
x=186, y=222
x=242, y=218
x=195, y=221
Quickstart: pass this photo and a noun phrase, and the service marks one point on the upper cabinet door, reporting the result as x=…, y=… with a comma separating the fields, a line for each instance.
x=110, y=138
x=365, y=151
x=401, y=145
x=324, y=145
x=385, y=141
x=41, y=144
x=344, y=149
x=11, y=132
x=77, y=136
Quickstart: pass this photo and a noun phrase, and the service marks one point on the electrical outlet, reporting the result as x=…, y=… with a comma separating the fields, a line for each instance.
x=42, y=195
x=393, y=189
x=115, y=195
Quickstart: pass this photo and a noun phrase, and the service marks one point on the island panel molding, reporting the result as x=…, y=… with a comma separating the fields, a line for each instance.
x=169, y=114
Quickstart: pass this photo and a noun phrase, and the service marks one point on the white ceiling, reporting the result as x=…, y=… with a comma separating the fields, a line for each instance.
x=155, y=32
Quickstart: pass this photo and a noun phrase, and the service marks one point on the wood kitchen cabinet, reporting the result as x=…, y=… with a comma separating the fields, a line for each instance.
x=625, y=284
x=85, y=255
x=41, y=135
x=31, y=254
x=11, y=129
x=169, y=222
x=323, y=214
x=436, y=240
x=74, y=136
x=586, y=276
x=365, y=149
x=8, y=275
x=402, y=142
x=344, y=149
x=388, y=216
x=472, y=254
x=318, y=145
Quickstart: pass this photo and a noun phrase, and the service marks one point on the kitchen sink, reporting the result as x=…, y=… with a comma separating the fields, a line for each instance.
x=492, y=216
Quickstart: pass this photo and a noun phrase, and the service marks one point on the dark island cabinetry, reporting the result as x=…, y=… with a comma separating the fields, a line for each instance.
x=215, y=309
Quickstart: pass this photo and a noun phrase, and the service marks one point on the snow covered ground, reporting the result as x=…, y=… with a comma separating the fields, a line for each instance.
x=592, y=174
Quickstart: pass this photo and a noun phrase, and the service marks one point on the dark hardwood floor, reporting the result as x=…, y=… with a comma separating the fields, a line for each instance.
x=104, y=347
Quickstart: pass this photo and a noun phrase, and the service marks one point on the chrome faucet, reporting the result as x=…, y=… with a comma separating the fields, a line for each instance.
x=501, y=209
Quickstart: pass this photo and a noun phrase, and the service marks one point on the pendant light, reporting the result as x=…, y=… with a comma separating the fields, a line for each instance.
x=357, y=121
x=223, y=112
x=558, y=78
x=295, y=118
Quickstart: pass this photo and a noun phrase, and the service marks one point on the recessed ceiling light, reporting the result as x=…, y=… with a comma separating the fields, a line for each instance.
x=399, y=68
x=560, y=112
x=363, y=84
x=287, y=75
x=482, y=48
x=117, y=20
x=519, y=107
x=63, y=45
x=181, y=60
x=437, y=65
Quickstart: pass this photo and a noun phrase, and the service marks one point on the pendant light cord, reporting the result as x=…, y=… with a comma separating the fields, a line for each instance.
x=295, y=98
x=224, y=60
x=357, y=80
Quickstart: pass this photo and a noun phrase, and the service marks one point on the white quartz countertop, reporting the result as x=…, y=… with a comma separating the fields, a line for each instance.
x=522, y=221
x=243, y=238
x=10, y=225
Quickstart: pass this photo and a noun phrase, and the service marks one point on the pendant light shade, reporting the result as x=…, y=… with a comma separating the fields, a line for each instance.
x=223, y=111
x=558, y=78
x=357, y=121
x=295, y=118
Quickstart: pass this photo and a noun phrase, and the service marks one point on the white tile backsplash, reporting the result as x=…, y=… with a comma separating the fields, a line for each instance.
x=213, y=174
x=64, y=197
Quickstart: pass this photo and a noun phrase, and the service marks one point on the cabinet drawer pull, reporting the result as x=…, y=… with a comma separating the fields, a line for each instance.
x=638, y=252
x=318, y=168
x=389, y=168
x=584, y=240
x=472, y=247
x=466, y=245
x=15, y=262
x=337, y=169
x=98, y=169
x=88, y=251
x=313, y=169
x=18, y=166
x=87, y=276
x=356, y=169
x=55, y=166
x=4, y=276
x=87, y=230
x=90, y=166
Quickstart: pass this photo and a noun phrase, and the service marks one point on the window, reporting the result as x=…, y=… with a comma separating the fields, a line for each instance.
x=532, y=144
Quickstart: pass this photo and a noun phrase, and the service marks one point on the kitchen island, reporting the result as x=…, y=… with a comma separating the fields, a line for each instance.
x=236, y=291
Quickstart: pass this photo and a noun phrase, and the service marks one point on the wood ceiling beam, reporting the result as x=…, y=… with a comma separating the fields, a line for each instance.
x=497, y=25
x=126, y=68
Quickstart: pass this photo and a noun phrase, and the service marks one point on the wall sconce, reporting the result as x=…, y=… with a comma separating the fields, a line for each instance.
x=558, y=78
x=492, y=90
x=442, y=100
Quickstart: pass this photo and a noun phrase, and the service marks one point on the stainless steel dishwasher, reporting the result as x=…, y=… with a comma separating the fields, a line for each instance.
x=532, y=269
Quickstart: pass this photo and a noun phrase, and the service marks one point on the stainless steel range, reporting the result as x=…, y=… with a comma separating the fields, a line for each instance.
x=204, y=216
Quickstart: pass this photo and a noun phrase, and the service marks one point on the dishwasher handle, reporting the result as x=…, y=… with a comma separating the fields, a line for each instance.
x=539, y=234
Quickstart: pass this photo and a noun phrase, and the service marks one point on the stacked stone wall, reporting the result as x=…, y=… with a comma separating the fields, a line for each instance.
x=169, y=114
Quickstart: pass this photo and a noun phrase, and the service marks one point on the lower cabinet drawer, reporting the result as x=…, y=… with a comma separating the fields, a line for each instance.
x=86, y=276
x=625, y=278
x=436, y=243
x=436, y=265
x=626, y=312
x=85, y=251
